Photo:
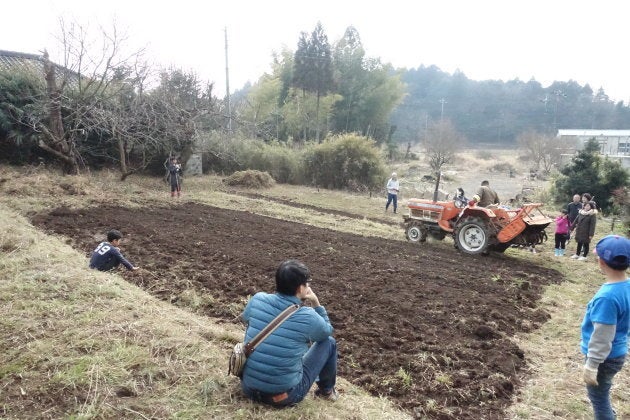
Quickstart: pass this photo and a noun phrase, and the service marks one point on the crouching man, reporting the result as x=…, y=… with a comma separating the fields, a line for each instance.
x=282, y=369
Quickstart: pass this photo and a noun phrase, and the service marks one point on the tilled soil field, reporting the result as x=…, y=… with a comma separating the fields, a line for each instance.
x=425, y=325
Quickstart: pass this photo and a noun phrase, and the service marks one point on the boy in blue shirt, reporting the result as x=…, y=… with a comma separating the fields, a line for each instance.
x=606, y=324
x=107, y=255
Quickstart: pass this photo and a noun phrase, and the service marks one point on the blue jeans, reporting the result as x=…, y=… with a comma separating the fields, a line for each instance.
x=390, y=198
x=319, y=364
x=600, y=394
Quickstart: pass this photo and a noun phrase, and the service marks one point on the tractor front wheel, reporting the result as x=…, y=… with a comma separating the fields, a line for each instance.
x=416, y=232
x=471, y=236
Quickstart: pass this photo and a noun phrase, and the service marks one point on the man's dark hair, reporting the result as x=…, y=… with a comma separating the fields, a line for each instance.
x=587, y=196
x=485, y=182
x=290, y=275
x=113, y=234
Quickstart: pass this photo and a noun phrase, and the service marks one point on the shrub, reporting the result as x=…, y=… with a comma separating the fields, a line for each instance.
x=18, y=93
x=502, y=167
x=226, y=155
x=345, y=161
x=221, y=154
x=281, y=161
x=250, y=179
x=484, y=155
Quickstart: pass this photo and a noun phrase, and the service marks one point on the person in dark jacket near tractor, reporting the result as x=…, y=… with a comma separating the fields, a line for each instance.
x=574, y=207
x=584, y=227
x=282, y=369
x=485, y=196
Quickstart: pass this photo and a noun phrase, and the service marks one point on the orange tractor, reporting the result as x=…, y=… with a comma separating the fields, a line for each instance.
x=475, y=230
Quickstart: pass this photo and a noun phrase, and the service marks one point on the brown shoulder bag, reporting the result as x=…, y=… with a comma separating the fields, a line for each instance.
x=241, y=351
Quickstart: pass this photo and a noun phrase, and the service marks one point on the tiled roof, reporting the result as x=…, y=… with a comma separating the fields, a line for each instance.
x=10, y=60
x=16, y=61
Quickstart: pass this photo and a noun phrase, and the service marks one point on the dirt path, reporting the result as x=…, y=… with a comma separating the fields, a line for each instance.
x=425, y=326
x=319, y=209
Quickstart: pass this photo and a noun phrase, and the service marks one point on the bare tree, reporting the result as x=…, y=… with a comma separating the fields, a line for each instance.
x=441, y=146
x=54, y=138
x=76, y=90
x=541, y=149
x=97, y=108
x=442, y=143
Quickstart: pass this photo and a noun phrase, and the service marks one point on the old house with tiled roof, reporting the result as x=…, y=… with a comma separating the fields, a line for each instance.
x=16, y=61
x=10, y=60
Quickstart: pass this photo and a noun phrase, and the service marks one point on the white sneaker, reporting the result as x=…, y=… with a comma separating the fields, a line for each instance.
x=581, y=259
x=575, y=256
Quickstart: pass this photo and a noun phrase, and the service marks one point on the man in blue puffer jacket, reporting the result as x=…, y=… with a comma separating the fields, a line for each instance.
x=283, y=367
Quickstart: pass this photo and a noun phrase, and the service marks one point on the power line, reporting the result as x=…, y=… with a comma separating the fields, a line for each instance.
x=442, y=101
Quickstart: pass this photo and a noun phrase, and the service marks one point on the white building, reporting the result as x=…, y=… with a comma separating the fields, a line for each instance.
x=614, y=144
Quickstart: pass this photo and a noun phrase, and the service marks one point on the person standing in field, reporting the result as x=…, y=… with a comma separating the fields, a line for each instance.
x=584, y=230
x=606, y=325
x=175, y=176
x=587, y=197
x=393, y=187
x=573, y=208
x=562, y=231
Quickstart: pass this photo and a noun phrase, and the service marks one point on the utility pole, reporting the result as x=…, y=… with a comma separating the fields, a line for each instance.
x=545, y=101
x=227, y=85
x=558, y=94
x=442, y=101
x=426, y=127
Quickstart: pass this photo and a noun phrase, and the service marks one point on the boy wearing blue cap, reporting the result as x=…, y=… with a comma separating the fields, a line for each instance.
x=606, y=324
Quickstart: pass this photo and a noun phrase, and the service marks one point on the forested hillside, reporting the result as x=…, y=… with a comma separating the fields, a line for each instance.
x=493, y=111
x=329, y=89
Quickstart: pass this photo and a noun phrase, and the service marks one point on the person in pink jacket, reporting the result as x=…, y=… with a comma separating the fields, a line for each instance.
x=562, y=233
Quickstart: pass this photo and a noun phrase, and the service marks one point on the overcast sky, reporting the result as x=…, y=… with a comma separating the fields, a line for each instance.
x=586, y=41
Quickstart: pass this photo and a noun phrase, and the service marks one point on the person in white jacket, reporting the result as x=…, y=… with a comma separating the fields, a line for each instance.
x=392, y=192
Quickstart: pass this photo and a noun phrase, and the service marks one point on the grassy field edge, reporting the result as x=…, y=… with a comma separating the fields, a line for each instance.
x=85, y=344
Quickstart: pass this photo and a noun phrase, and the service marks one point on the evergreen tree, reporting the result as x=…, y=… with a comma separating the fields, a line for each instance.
x=350, y=77
x=313, y=68
x=588, y=172
x=18, y=94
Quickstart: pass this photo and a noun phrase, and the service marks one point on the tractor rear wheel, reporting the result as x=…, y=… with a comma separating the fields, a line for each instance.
x=416, y=232
x=472, y=236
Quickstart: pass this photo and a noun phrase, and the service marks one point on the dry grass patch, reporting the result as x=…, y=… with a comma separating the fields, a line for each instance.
x=250, y=179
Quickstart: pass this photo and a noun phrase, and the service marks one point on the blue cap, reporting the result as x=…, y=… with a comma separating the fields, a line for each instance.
x=615, y=251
